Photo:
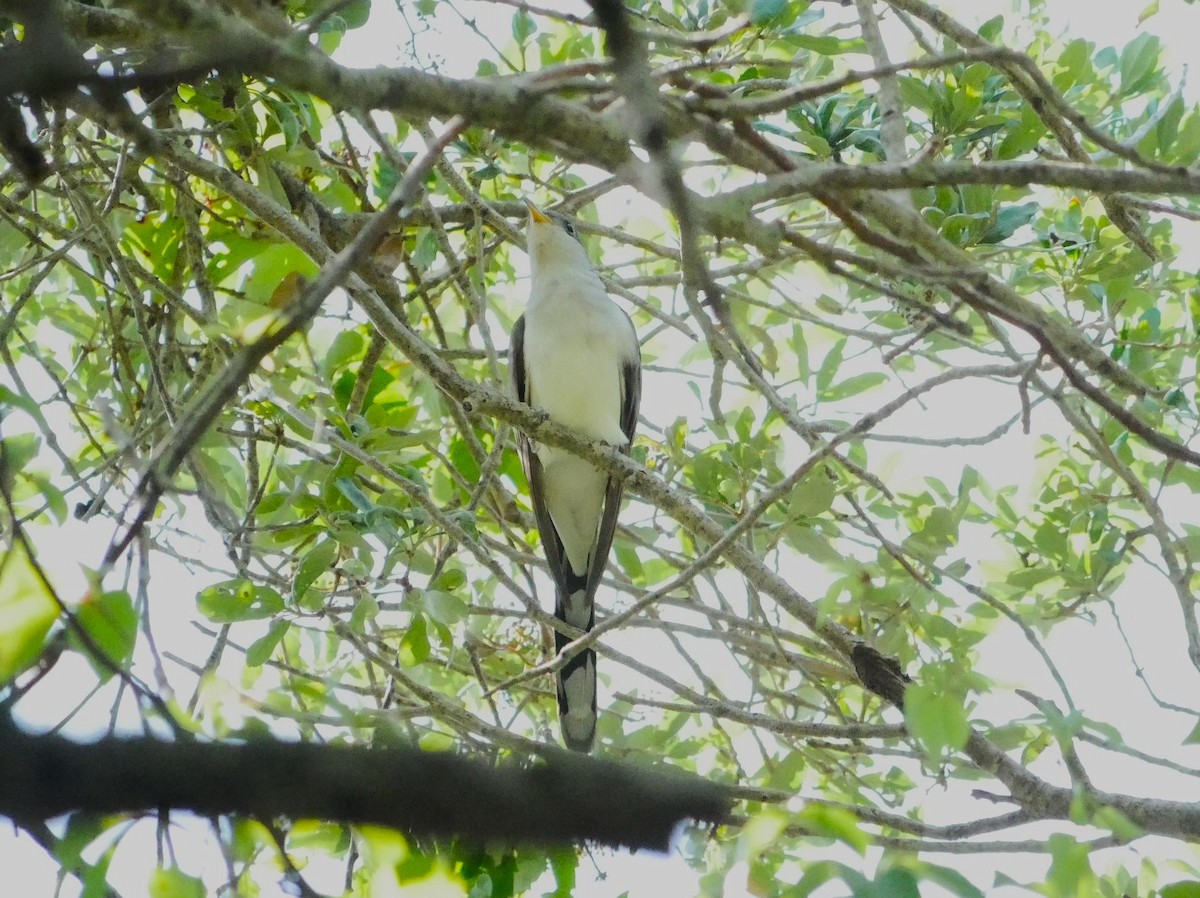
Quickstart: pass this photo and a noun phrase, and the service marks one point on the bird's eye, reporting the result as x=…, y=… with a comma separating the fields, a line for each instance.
x=567, y=225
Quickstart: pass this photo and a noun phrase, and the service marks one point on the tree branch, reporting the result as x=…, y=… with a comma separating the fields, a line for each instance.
x=555, y=801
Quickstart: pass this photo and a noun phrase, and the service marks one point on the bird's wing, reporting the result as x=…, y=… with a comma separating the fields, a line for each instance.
x=631, y=388
x=631, y=398
x=516, y=360
x=519, y=376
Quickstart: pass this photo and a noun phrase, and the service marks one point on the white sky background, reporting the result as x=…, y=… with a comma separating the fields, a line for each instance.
x=1098, y=658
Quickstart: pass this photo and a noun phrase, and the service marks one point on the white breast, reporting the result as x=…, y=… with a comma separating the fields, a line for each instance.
x=576, y=345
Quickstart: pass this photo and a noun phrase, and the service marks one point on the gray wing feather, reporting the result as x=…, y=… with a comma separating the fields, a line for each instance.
x=555, y=555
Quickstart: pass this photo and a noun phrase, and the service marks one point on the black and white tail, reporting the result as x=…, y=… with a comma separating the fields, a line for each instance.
x=576, y=680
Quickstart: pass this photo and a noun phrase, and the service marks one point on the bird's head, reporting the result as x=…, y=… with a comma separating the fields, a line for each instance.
x=552, y=240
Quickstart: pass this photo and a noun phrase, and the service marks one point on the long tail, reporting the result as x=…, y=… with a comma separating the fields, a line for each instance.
x=577, y=680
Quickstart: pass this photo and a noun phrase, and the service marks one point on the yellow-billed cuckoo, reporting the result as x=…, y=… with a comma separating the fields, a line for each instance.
x=574, y=355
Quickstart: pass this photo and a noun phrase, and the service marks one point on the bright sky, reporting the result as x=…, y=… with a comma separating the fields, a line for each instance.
x=646, y=876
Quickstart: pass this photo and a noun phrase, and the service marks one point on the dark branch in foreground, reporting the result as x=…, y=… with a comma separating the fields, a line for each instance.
x=558, y=800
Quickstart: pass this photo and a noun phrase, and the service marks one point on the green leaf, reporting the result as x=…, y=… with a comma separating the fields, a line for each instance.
x=1175, y=398
x=344, y=387
x=172, y=883
x=985, y=131
x=485, y=173
x=523, y=26
x=564, y=863
x=1075, y=60
x=992, y=29
x=829, y=366
x=316, y=834
x=760, y=832
x=1193, y=737
x=443, y=607
x=272, y=263
x=15, y=453
x=950, y=880
x=414, y=645
x=464, y=462
x=836, y=823
x=1185, y=148
x=819, y=873
x=366, y=608
x=1138, y=60
x=238, y=600
x=269, y=183
x=110, y=623
x=351, y=491
x=384, y=177
x=316, y=561
x=50, y=494
x=27, y=612
x=260, y=651
x=450, y=579
x=1186, y=889
x=95, y=877
x=1117, y=823
x=936, y=719
x=852, y=386
x=1034, y=748
x=287, y=120
x=346, y=346
x=355, y=13
x=329, y=36
x=813, y=495
x=432, y=740
x=1070, y=872
x=1023, y=136
x=481, y=887
x=827, y=45
x=82, y=830
x=763, y=12
x=1008, y=220
x=896, y=883
x=426, y=251
x=940, y=526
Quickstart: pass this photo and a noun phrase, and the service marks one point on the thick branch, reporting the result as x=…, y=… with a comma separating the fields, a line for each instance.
x=552, y=802
x=891, y=112
x=806, y=178
x=217, y=41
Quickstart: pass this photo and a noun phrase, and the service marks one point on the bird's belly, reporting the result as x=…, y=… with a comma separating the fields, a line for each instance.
x=575, y=375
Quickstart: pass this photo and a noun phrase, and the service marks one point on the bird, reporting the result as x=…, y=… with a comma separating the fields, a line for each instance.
x=575, y=355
